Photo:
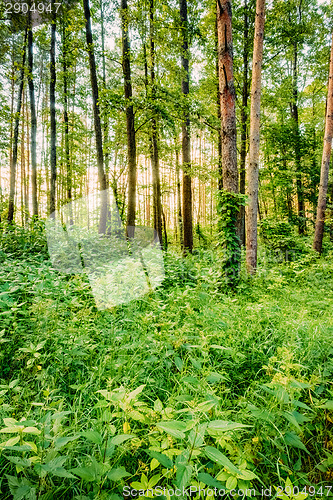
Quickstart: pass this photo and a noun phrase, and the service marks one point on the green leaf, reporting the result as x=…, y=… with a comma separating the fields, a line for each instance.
x=12, y=442
x=136, y=392
x=179, y=363
x=11, y=430
x=231, y=483
x=31, y=430
x=209, y=480
x=291, y=439
x=183, y=475
x=154, y=480
x=221, y=426
x=328, y=405
x=85, y=473
x=163, y=459
x=136, y=415
x=248, y=475
x=214, y=377
x=173, y=427
x=117, y=474
x=121, y=438
x=61, y=472
x=93, y=436
x=218, y=457
x=62, y=441
x=158, y=407
x=23, y=462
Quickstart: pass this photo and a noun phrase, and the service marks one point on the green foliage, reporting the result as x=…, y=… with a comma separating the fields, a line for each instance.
x=20, y=242
x=228, y=210
x=188, y=386
x=279, y=236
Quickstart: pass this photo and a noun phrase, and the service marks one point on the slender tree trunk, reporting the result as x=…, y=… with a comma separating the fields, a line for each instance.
x=325, y=162
x=253, y=172
x=155, y=162
x=33, y=123
x=218, y=110
x=53, y=126
x=227, y=98
x=23, y=179
x=130, y=124
x=105, y=118
x=66, y=119
x=13, y=165
x=186, y=138
x=294, y=114
x=179, y=203
x=27, y=121
x=244, y=117
x=97, y=120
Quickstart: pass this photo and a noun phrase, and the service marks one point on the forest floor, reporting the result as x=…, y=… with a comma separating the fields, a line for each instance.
x=188, y=386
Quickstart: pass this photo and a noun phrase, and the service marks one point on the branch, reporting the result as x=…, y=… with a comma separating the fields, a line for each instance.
x=142, y=124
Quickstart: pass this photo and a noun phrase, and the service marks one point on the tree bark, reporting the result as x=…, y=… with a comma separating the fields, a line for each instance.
x=294, y=114
x=66, y=119
x=53, y=126
x=218, y=111
x=97, y=119
x=244, y=118
x=131, y=140
x=253, y=169
x=227, y=97
x=106, y=118
x=154, y=133
x=33, y=123
x=325, y=162
x=179, y=200
x=13, y=165
x=186, y=138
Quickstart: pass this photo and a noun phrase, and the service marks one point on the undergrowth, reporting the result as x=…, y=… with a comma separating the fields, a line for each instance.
x=191, y=385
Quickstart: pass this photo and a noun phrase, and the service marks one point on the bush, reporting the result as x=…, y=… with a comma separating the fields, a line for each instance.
x=279, y=237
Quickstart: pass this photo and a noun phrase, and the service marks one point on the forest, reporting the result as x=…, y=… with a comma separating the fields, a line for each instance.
x=166, y=236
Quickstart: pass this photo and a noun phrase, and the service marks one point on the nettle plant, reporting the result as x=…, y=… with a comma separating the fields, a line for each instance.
x=39, y=456
x=180, y=453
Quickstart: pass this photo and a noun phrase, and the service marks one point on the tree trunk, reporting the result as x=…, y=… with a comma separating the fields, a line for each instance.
x=227, y=98
x=244, y=117
x=154, y=134
x=131, y=142
x=253, y=172
x=218, y=110
x=66, y=120
x=53, y=129
x=179, y=202
x=13, y=165
x=23, y=177
x=106, y=118
x=294, y=114
x=186, y=139
x=325, y=162
x=97, y=120
x=229, y=202
x=33, y=123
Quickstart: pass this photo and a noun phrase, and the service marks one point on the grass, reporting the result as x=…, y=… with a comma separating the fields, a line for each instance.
x=188, y=386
